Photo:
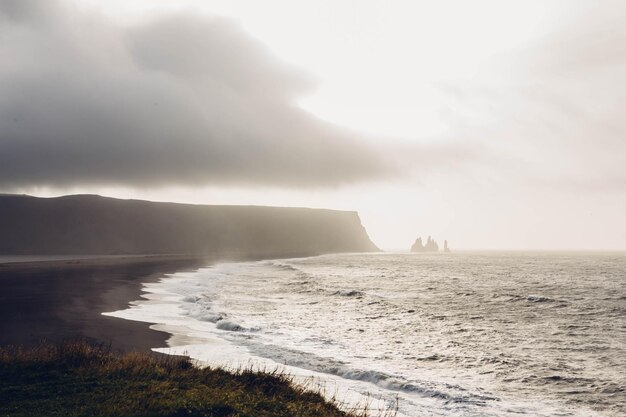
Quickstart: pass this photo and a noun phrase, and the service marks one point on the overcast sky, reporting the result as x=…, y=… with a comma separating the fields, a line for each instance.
x=492, y=124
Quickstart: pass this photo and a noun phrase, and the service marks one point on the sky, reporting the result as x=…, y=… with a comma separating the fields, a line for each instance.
x=492, y=124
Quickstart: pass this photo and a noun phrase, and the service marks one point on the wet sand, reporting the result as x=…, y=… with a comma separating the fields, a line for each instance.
x=60, y=300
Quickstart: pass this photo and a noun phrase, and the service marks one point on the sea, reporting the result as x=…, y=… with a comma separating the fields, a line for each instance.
x=424, y=334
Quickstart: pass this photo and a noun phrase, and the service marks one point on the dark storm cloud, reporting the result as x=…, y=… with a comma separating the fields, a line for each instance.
x=185, y=99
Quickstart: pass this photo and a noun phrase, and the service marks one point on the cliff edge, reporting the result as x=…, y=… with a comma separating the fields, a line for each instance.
x=89, y=224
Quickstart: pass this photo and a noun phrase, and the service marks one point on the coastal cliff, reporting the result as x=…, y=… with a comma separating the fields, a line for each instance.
x=90, y=224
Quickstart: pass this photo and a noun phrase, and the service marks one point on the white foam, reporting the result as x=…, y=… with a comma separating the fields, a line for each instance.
x=188, y=306
x=229, y=325
x=198, y=337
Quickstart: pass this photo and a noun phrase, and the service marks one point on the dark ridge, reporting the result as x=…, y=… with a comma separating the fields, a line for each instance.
x=91, y=224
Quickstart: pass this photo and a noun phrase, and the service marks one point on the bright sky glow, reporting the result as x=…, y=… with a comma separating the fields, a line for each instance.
x=527, y=93
x=379, y=66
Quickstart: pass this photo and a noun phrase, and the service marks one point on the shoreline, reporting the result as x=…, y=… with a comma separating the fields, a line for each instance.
x=54, y=301
x=207, y=349
x=198, y=337
x=47, y=305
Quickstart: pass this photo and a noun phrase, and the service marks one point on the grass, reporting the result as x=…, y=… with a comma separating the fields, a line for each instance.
x=81, y=379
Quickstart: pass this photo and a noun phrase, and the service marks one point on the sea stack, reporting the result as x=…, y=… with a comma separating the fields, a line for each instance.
x=418, y=246
x=445, y=246
x=430, y=246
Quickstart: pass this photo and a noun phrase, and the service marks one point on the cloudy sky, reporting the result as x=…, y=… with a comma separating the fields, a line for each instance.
x=493, y=124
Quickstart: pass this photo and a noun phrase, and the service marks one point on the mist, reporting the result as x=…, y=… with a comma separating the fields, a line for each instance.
x=178, y=99
x=492, y=133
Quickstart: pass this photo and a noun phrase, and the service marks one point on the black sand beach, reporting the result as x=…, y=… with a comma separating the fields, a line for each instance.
x=60, y=300
x=84, y=363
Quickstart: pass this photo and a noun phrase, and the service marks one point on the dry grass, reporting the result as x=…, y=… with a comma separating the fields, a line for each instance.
x=82, y=379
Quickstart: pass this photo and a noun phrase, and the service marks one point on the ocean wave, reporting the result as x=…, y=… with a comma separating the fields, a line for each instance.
x=229, y=326
x=381, y=379
x=210, y=317
x=533, y=298
x=433, y=357
x=282, y=265
x=302, y=276
x=539, y=299
x=349, y=293
x=299, y=283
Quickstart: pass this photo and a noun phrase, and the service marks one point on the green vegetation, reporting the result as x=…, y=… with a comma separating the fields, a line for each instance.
x=80, y=379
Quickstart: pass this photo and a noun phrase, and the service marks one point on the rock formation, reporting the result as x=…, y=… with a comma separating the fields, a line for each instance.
x=418, y=246
x=430, y=246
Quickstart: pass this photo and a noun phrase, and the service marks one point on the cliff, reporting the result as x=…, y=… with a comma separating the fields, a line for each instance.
x=89, y=224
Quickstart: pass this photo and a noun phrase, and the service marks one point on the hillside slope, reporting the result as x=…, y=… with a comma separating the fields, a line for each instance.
x=89, y=224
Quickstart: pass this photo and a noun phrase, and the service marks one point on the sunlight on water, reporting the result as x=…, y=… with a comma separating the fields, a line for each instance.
x=457, y=334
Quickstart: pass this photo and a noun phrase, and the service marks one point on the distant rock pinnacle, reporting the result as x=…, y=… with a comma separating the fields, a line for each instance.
x=430, y=246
